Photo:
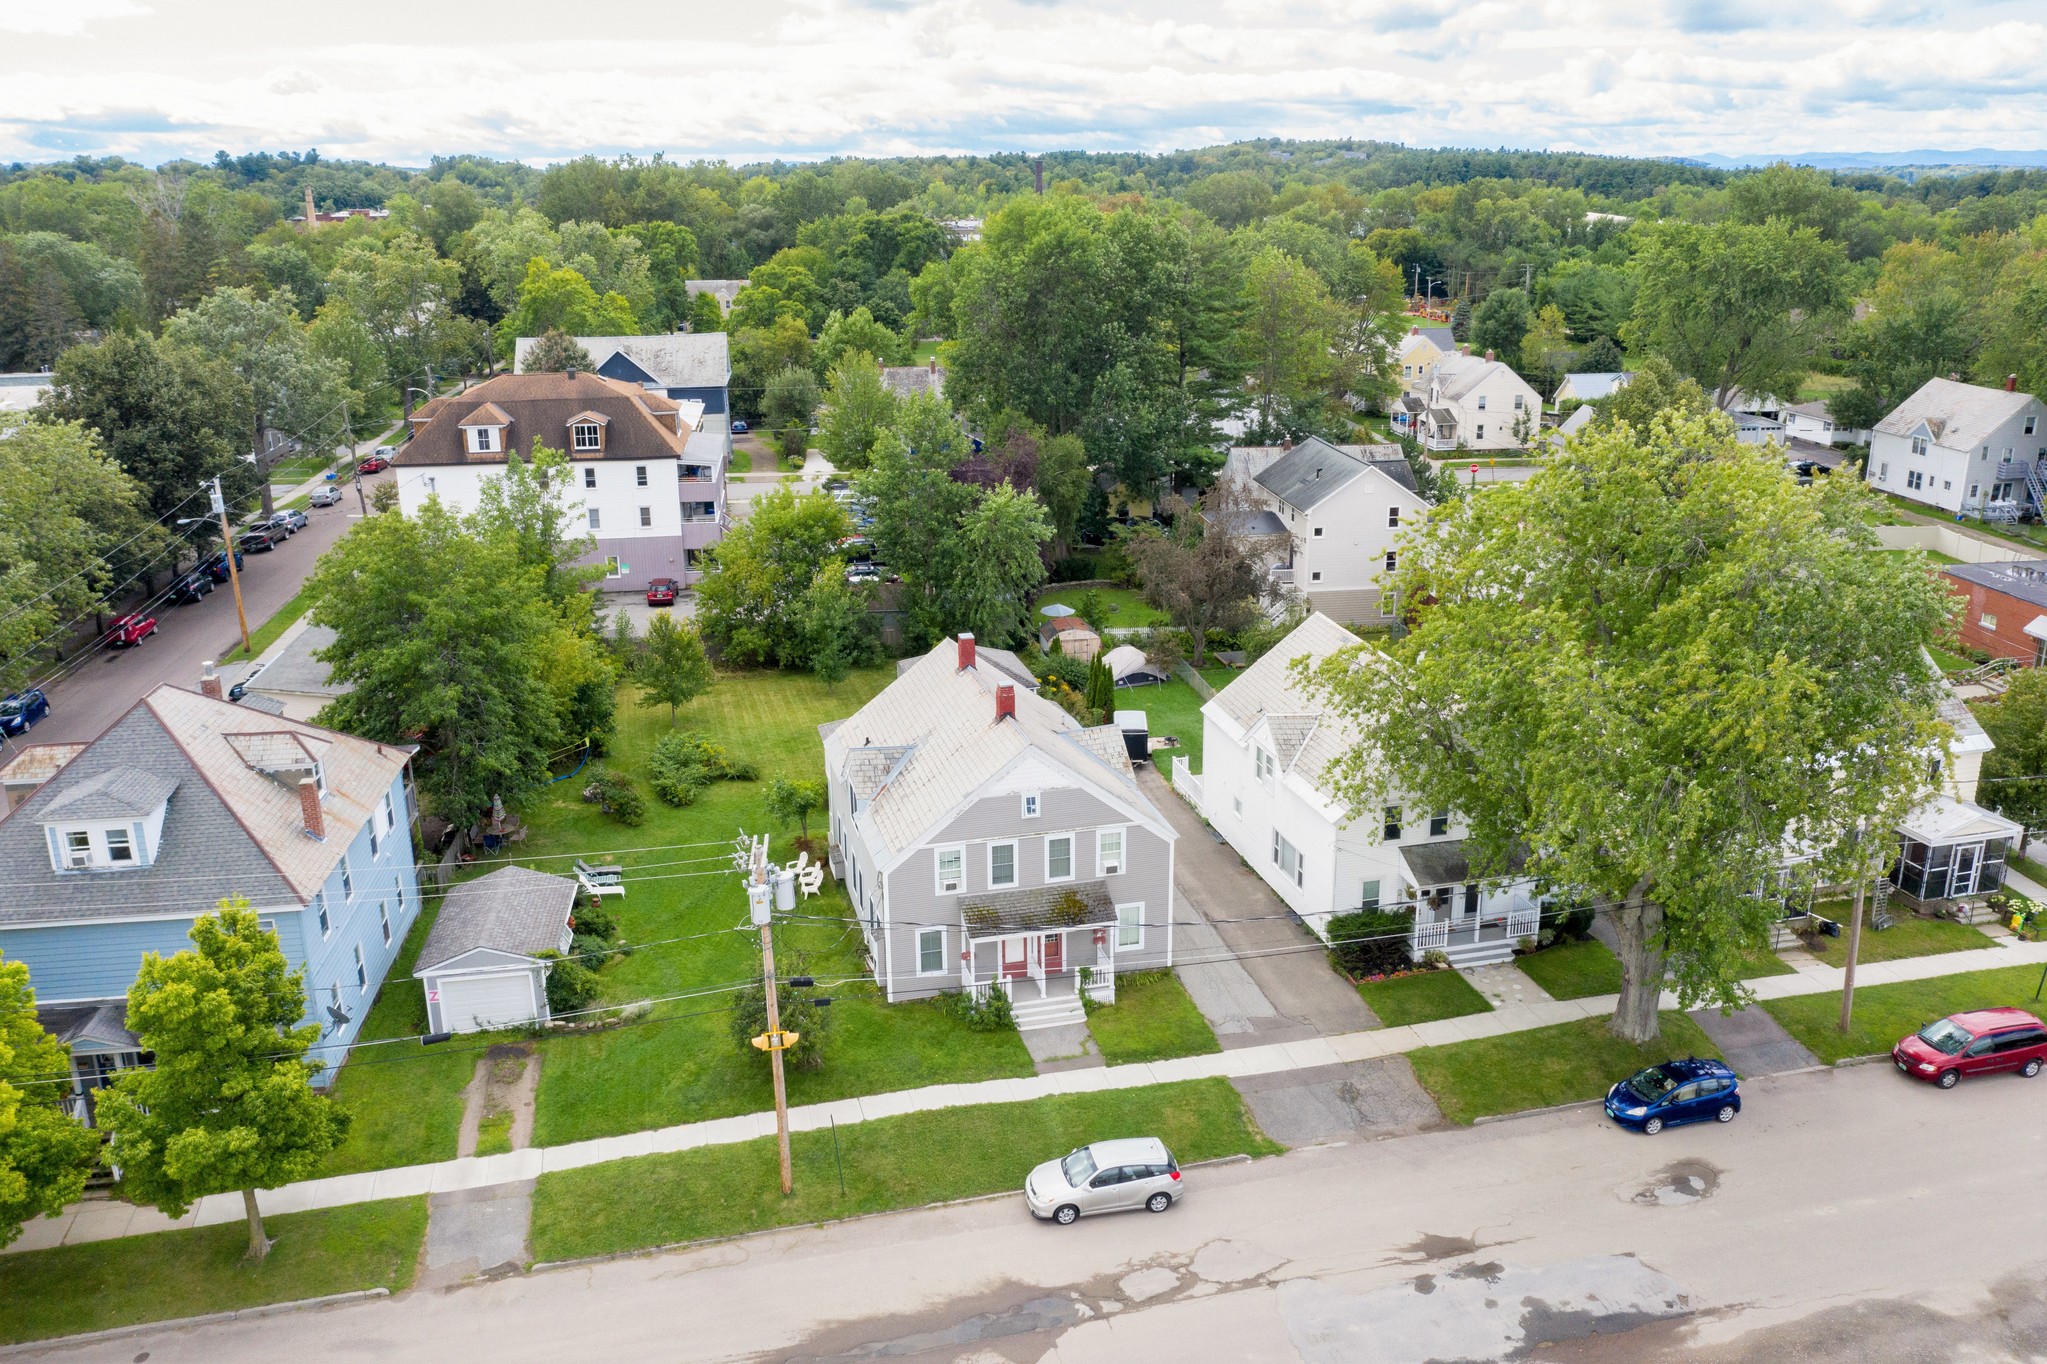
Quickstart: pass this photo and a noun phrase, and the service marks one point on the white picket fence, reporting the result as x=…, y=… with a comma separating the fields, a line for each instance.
x=1185, y=781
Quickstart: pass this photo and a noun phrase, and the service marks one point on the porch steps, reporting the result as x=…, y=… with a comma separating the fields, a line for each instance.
x=1058, y=1011
x=1468, y=954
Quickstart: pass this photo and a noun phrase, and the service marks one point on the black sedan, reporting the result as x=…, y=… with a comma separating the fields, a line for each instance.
x=191, y=587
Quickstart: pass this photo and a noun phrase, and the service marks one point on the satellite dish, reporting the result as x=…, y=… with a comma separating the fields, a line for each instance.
x=338, y=1018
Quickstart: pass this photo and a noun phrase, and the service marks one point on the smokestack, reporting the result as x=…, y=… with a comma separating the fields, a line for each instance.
x=966, y=652
x=309, y=807
x=209, y=683
x=1005, y=702
x=1038, y=173
x=2011, y=383
x=309, y=209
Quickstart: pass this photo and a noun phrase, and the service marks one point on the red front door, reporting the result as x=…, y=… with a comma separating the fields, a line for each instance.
x=1055, y=953
x=1019, y=964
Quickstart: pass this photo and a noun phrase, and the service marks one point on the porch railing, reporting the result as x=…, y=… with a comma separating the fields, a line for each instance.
x=1523, y=919
x=1428, y=935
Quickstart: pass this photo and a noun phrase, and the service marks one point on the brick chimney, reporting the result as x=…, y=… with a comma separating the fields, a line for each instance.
x=209, y=682
x=966, y=652
x=1005, y=702
x=1286, y=442
x=2011, y=383
x=1488, y=355
x=934, y=364
x=1464, y=349
x=309, y=807
x=571, y=373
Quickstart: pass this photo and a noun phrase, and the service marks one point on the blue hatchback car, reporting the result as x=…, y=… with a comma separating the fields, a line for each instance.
x=21, y=710
x=1664, y=1095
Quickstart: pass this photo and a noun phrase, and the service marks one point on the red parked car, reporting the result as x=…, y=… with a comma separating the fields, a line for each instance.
x=374, y=464
x=131, y=629
x=1978, y=1043
x=661, y=591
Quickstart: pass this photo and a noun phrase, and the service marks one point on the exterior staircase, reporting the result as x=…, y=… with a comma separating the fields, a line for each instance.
x=1057, y=1010
x=1468, y=954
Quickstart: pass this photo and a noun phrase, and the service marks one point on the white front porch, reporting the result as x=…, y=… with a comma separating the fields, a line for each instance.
x=1471, y=926
x=1043, y=971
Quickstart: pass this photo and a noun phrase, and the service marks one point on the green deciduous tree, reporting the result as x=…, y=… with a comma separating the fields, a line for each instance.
x=401, y=291
x=794, y=802
x=1699, y=668
x=228, y=1104
x=750, y=602
x=670, y=667
x=45, y=1155
x=562, y=300
x=555, y=352
x=1740, y=308
x=838, y=630
x=1208, y=572
x=1289, y=340
x=1656, y=389
x=845, y=334
x=996, y=561
x=858, y=407
x=2015, y=772
x=787, y=405
x=1499, y=323
x=705, y=314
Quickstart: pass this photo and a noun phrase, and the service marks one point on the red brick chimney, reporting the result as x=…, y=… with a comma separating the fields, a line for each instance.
x=1286, y=442
x=309, y=806
x=966, y=652
x=1488, y=355
x=934, y=364
x=2011, y=383
x=1005, y=702
x=209, y=682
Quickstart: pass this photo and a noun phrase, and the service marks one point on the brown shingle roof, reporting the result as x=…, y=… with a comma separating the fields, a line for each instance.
x=639, y=424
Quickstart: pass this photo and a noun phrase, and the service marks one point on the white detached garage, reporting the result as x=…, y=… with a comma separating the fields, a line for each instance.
x=481, y=965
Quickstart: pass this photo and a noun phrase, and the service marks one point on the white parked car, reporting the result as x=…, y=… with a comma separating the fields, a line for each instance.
x=1108, y=1176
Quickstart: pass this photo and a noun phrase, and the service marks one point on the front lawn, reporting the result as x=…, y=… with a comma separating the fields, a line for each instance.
x=1544, y=1066
x=97, y=1285
x=1151, y=1020
x=895, y=1162
x=1885, y=1013
x=2028, y=868
x=1908, y=937
x=1422, y=998
x=1574, y=970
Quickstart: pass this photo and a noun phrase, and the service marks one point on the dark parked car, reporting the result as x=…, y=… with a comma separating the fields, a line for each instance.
x=23, y=709
x=374, y=464
x=1665, y=1095
x=661, y=591
x=260, y=540
x=216, y=567
x=329, y=496
x=1977, y=1043
x=131, y=629
x=191, y=587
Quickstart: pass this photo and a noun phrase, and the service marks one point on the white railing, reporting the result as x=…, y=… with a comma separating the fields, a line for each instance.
x=1523, y=920
x=1184, y=780
x=1282, y=573
x=1428, y=935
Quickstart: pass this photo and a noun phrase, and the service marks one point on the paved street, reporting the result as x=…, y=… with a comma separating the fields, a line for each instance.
x=1846, y=1215
x=89, y=699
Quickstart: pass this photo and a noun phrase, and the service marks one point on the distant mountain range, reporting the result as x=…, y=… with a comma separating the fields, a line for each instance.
x=1977, y=156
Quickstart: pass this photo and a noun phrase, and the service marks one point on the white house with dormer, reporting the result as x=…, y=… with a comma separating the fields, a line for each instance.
x=1964, y=448
x=1477, y=403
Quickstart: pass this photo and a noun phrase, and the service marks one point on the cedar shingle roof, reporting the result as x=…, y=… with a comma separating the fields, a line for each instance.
x=538, y=410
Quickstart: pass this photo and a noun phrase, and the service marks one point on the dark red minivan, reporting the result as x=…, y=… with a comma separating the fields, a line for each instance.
x=1978, y=1043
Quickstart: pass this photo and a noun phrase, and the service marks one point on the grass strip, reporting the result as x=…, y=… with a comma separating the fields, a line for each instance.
x=266, y=634
x=889, y=1163
x=98, y=1285
x=1153, y=1019
x=1544, y=1067
x=1908, y=937
x=1422, y=998
x=1885, y=1013
x=1574, y=970
x=494, y=1135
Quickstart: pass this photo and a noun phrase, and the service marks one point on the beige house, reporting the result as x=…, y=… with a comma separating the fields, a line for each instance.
x=1478, y=403
x=1418, y=353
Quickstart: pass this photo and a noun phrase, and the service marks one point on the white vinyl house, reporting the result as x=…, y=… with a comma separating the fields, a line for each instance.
x=1341, y=507
x=1964, y=448
x=1478, y=403
x=1269, y=748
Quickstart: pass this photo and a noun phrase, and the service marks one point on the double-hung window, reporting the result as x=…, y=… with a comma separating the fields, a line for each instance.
x=347, y=879
x=1391, y=830
x=320, y=912
x=930, y=951
x=120, y=846
x=1130, y=925
x=1001, y=865
x=1392, y=518
x=952, y=870
x=1368, y=896
x=1262, y=760
x=362, y=970
x=1439, y=824
x=640, y=475
x=1481, y=402
x=586, y=436
x=1109, y=852
x=376, y=841
x=1392, y=561
x=1059, y=857
x=646, y=516
x=384, y=921
x=77, y=848
x=1032, y=803
x=596, y=519
x=1287, y=857
x=590, y=476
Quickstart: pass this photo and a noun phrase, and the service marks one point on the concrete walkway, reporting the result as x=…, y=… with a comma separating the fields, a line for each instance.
x=102, y=1220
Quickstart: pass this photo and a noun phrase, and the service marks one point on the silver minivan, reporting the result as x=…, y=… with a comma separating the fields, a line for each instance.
x=1108, y=1176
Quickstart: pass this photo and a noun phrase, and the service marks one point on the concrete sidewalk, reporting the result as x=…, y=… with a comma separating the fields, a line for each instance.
x=102, y=1220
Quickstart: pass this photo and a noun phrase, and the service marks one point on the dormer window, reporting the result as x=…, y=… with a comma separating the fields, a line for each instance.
x=120, y=847
x=483, y=440
x=586, y=436
x=77, y=849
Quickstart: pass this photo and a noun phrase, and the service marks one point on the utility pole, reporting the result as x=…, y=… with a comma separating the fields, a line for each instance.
x=1528, y=280
x=760, y=899
x=1854, y=938
x=234, y=576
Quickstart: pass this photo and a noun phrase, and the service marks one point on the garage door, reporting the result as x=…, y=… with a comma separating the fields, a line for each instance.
x=478, y=1003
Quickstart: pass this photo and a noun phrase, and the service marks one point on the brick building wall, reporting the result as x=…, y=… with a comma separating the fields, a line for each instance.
x=1995, y=622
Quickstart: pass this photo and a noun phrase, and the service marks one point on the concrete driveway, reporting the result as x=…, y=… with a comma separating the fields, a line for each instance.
x=1271, y=949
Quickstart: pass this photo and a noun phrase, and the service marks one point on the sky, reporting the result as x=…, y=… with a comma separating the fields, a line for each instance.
x=400, y=80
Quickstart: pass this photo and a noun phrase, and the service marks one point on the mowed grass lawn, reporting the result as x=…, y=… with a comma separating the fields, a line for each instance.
x=1581, y=970
x=1544, y=1066
x=1151, y=1020
x=1422, y=998
x=97, y=1285
x=1908, y=937
x=896, y=1162
x=1885, y=1013
x=1174, y=708
x=679, y=1064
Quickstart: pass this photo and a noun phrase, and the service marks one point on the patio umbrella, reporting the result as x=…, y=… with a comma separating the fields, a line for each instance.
x=1055, y=610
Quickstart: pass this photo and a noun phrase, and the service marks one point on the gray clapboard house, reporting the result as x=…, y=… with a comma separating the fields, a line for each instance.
x=990, y=841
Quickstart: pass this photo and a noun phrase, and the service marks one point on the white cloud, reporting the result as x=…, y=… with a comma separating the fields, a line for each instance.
x=61, y=18
x=813, y=77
